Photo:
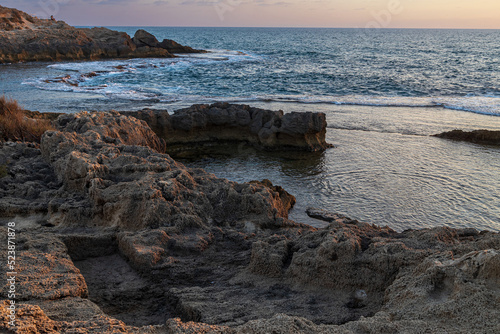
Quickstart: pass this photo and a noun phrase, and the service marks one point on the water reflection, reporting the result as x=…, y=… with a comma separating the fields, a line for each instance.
x=231, y=155
x=395, y=179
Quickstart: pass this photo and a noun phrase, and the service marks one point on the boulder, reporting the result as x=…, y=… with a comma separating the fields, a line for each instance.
x=174, y=47
x=144, y=38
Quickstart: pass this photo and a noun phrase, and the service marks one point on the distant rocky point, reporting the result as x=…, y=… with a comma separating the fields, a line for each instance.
x=27, y=38
x=476, y=136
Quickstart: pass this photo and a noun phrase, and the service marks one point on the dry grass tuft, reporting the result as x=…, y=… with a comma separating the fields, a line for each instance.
x=15, y=126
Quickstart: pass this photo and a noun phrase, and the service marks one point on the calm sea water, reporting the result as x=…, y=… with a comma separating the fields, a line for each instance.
x=384, y=93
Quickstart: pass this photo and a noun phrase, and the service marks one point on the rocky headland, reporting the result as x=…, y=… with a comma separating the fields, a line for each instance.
x=26, y=38
x=115, y=236
x=477, y=136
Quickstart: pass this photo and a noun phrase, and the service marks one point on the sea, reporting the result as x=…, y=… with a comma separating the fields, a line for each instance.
x=384, y=92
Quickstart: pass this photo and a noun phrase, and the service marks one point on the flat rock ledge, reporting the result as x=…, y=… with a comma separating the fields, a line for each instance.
x=113, y=236
x=477, y=136
x=26, y=38
x=224, y=122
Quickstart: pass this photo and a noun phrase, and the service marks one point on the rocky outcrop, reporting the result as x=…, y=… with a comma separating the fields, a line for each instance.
x=287, y=199
x=477, y=136
x=99, y=155
x=27, y=38
x=125, y=239
x=13, y=19
x=142, y=38
x=224, y=122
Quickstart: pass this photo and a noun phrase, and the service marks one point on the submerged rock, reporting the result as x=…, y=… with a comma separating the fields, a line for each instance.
x=27, y=38
x=476, y=136
x=224, y=122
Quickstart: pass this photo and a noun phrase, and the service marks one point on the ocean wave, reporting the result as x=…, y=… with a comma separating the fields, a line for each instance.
x=148, y=80
x=111, y=66
x=98, y=82
x=485, y=105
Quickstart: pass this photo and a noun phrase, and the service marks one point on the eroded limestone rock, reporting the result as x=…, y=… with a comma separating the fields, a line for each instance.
x=220, y=122
x=114, y=161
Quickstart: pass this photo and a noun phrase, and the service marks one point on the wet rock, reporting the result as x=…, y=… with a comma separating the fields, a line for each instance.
x=174, y=47
x=476, y=136
x=326, y=216
x=223, y=122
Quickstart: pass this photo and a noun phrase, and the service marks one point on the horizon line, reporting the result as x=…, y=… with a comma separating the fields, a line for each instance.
x=280, y=27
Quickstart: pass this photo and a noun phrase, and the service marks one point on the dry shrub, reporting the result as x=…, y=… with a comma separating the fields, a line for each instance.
x=15, y=126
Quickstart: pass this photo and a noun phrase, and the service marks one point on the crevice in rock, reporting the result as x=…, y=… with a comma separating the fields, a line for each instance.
x=442, y=287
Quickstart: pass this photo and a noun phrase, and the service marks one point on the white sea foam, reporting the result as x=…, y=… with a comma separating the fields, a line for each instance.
x=123, y=79
x=108, y=66
x=487, y=105
x=482, y=105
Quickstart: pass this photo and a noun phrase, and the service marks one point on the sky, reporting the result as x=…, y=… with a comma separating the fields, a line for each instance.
x=482, y=14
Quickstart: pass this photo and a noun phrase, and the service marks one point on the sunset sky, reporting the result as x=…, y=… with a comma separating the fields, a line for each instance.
x=270, y=13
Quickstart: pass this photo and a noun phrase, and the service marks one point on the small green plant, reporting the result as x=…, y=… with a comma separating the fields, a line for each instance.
x=3, y=171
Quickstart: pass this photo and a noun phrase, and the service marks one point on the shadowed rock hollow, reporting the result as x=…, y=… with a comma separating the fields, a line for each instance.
x=122, y=238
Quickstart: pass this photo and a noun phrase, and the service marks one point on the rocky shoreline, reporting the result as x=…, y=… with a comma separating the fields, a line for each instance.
x=24, y=38
x=113, y=235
